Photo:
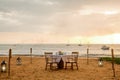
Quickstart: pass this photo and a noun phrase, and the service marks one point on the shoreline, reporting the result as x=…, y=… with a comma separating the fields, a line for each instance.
x=89, y=56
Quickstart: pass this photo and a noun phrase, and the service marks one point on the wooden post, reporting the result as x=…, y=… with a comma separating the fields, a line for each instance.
x=112, y=51
x=87, y=55
x=31, y=54
x=10, y=56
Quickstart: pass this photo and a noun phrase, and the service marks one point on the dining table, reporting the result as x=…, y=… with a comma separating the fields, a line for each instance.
x=61, y=59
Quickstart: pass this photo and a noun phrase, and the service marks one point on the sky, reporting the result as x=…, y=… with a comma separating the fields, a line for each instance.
x=59, y=21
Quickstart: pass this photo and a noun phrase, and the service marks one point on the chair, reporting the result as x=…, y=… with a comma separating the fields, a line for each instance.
x=50, y=60
x=73, y=59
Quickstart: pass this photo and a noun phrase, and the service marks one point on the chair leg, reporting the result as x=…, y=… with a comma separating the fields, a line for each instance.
x=72, y=66
x=77, y=66
x=51, y=66
x=65, y=65
x=46, y=67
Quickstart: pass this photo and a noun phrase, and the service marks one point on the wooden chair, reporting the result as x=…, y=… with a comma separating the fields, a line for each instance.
x=73, y=59
x=50, y=60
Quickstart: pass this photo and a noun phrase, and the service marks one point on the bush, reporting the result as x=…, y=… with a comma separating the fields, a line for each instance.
x=116, y=60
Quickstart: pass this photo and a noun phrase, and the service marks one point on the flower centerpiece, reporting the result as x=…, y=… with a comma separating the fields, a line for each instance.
x=60, y=53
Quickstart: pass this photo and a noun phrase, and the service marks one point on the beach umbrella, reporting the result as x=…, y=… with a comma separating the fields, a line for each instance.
x=18, y=60
x=100, y=62
x=3, y=66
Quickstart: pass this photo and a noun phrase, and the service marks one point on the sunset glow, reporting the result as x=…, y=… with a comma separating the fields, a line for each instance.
x=107, y=39
x=110, y=12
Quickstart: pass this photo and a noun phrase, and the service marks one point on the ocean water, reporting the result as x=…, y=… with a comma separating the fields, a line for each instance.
x=39, y=49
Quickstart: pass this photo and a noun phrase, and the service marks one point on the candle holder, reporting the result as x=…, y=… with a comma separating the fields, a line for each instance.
x=3, y=66
x=100, y=62
x=19, y=62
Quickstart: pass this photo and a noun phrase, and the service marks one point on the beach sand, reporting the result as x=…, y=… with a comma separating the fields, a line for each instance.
x=36, y=70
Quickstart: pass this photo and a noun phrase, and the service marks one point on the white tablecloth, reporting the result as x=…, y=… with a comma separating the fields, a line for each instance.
x=63, y=57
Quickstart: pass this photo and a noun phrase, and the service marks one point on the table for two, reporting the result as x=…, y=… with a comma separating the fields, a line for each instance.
x=61, y=59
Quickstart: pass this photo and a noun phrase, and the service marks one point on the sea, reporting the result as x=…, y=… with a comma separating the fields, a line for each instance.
x=39, y=49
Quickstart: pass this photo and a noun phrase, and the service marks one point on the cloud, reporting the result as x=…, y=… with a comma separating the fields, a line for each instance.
x=60, y=17
x=87, y=25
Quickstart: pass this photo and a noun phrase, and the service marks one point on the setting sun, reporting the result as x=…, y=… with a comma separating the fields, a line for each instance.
x=107, y=39
x=116, y=38
x=110, y=12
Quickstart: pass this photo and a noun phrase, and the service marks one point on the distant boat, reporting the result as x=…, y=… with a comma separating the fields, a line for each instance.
x=67, y=44
x=79, y=44
x=105, y=47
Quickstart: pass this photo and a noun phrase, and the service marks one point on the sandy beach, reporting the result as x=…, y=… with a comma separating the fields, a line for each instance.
x=36, y=70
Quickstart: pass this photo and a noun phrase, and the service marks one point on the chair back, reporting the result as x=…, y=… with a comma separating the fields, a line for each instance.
x=75, y=56
x=48, y=56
